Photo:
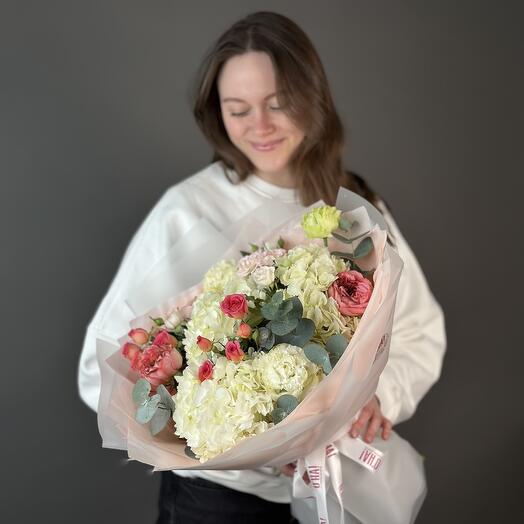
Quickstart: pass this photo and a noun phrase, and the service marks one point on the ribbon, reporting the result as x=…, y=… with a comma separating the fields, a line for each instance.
x=313, y=471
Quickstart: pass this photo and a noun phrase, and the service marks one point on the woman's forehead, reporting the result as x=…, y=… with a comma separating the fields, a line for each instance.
x=249, y=77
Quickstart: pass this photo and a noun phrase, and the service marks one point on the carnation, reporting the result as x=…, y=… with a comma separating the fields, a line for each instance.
x=287, y=370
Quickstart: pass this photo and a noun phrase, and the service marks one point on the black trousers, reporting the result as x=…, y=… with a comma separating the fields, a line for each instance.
x=198, y=501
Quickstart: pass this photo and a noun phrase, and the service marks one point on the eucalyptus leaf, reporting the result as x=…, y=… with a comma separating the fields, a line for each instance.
x=166, y=398
x=145, y=412
x=270, y=308
x=364, y=248
x=344, y=223
x=141, y=391
x=282, y=327
x=266, y=338
x=337, y=344
x=318, y=355
x=189, y=452
x=159, y=420
x=287, y=402
x=300, y=335
x=297, y=309
x=278, y=415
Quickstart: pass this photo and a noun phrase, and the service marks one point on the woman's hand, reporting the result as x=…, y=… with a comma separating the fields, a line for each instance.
x=371, y=416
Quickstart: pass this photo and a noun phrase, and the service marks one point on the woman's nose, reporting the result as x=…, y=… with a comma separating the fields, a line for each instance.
x=262, y=123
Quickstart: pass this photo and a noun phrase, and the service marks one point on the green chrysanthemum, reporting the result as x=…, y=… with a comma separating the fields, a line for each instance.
x=321, y=221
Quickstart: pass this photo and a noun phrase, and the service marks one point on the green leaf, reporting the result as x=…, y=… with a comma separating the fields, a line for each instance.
x=266, y=339
x=282, y=327
x=189, y=452
x=280, y=242
x=318, y=355
x=326, y=366
x=158, y=321
x=159, y=420
x=287, y=402
x=254, y=247
x=145, y=412
x=166, y=398
x=297, y=310
x=300, y=335
x=278, y=415
x=337, y=344
x=364, y=248
x=270, y=308
x=245, y=253
x=141, y=391
x=345, y=224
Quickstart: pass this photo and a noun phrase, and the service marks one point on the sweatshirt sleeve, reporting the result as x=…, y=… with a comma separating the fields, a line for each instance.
x=171, y=217
x=418, y=339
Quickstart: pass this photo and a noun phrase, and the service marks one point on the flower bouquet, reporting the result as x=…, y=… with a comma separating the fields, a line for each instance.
x=267, y=359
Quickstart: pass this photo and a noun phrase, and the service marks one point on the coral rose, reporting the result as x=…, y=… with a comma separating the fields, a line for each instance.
x=351, y=291
x=164, y=338
x=204, y=343
x=244, y=330
x=139, y=335
x=234, y=306
x=158, y=364
x=205, y=371
x=234, y=351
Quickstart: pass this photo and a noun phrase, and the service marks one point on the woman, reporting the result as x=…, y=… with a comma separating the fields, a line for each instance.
x=264, y=104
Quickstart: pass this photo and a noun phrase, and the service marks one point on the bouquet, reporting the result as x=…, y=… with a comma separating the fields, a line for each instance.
x=267, y=359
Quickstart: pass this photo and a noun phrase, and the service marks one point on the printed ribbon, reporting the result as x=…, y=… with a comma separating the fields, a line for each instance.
x=313, y=471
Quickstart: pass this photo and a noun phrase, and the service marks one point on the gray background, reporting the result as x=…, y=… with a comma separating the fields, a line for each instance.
x=95, y=124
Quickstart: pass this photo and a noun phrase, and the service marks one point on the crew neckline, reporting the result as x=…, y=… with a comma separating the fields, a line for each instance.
x=269, y=190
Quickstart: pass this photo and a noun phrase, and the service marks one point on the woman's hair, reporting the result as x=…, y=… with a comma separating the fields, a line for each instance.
x=305, y=97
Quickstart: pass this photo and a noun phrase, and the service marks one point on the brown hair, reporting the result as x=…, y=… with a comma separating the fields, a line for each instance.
x=318, y=159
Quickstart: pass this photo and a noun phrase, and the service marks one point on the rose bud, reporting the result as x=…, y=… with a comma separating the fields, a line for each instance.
x=204, y=343
x=234, y=306
x=234, y=351
x=205, y=371
x=129, y=350
x=244, y=330
x=139, y=335
x=164, y=338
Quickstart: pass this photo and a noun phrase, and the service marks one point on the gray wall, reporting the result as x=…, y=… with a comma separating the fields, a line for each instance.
x=95, y=124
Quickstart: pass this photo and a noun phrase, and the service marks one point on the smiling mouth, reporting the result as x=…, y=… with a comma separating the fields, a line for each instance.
x=268, y=146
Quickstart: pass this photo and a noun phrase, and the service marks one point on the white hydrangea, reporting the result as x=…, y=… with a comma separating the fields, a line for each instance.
x=207, y=320
x=308, y=271
x=216, y=414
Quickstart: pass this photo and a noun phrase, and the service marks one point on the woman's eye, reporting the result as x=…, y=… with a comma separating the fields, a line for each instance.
x=275, y=108
x=243, y=113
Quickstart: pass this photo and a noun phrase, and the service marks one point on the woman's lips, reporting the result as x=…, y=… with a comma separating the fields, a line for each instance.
x=266, y=146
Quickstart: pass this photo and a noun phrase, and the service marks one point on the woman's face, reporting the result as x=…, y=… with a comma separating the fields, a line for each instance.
x=252, y=117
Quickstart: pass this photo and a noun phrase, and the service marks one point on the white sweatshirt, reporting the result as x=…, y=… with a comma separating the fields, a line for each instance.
x=418, y=339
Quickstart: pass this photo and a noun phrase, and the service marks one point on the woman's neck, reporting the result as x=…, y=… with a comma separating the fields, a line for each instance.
x=285, y=179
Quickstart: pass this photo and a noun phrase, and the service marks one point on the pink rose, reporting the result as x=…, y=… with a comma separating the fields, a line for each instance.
x=352, y=291
x=204, y=343
x=244, y=330
x=139, y=335
x=129, y=350
x=164, y=338
x=205, y=371
x=234, y=351
x=234, y=306
x=158, y=364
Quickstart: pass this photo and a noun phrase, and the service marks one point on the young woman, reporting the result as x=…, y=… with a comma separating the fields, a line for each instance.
x=264, y=104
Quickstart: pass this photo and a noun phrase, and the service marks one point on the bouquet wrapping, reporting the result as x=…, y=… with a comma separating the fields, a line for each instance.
x=314, y=433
